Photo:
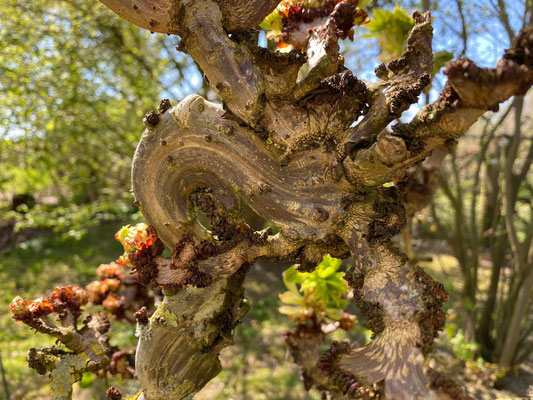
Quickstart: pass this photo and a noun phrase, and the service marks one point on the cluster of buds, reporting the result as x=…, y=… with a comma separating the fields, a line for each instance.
x=110, y=271
x=113, y=303
x=88, y=347
x=141, y=248
x=105, y=290
x=118, y=295
x=114, y=291
x=347, y=322
x=298, y=15
x=134, y=239
x=110, y=278
x=62, y=299
x=113, y=393
x=291, y=8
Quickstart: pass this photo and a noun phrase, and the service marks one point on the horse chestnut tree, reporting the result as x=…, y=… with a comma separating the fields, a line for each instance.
x=310, y=148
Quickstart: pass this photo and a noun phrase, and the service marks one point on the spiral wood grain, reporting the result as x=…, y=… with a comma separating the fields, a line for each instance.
x=193, y=146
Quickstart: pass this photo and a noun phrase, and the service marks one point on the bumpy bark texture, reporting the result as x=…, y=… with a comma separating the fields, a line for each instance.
x=287, y=147
x=86, y=348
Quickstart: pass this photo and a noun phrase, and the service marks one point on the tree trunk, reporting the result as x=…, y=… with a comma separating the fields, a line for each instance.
x=512, y=336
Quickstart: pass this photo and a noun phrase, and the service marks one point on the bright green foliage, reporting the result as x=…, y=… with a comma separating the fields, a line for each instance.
x=73, y=90
x=87, y=380
x=391, y=28
x=75, y=82
x=75, y=220
x=462, y=349
x=317, y=294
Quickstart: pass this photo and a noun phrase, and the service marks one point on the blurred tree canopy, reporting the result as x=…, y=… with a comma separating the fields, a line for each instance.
x=75, y=81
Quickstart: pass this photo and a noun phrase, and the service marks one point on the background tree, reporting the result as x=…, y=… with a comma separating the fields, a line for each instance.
x=73, y=79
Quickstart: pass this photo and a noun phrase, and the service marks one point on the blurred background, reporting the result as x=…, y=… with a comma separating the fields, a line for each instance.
x=75, y=82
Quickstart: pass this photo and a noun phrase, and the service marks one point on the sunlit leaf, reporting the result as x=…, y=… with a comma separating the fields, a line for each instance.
x=291, y=277
x=290, y=310
x=391, y=28
x=334, y=313
x=291, y=298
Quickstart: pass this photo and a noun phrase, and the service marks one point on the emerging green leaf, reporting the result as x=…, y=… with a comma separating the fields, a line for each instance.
x=320, y=294
x=391, y=28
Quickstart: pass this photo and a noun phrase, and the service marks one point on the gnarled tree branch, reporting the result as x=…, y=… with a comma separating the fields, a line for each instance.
x=160, y=15
x=284, y=147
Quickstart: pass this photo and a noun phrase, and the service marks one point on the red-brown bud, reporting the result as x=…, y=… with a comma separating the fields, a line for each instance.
x=19, y=308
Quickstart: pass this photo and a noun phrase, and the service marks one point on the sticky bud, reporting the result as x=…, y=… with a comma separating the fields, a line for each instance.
x=19, y=308
x=113, y=393
x=74, y=296
x=112, y=270
x=134, y=239
x=40, y=306
x=112, y=303
x=112, y=284
x=97, y=291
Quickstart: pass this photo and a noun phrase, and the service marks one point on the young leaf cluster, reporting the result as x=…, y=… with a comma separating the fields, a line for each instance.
x=318, y=294
x=391, y=29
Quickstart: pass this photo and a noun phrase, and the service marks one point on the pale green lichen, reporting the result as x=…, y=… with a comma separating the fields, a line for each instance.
x=67, y=371
x=143, y=331
x=163, y=316
x=48, y=360
x=97, y=349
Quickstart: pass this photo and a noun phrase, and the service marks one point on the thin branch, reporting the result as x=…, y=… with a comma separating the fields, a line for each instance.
x=485, y=139
x=504, y=18
x=464, y=33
